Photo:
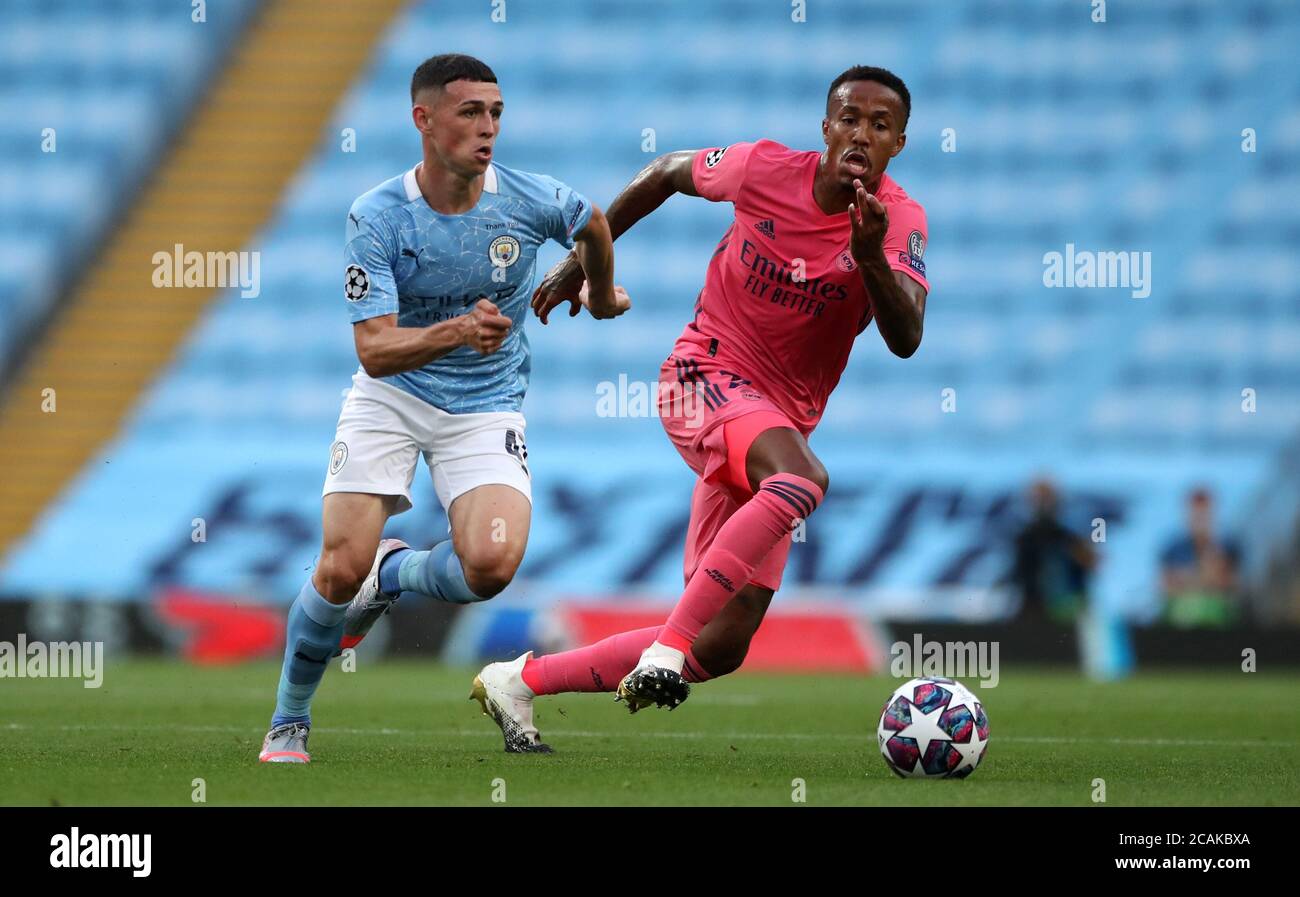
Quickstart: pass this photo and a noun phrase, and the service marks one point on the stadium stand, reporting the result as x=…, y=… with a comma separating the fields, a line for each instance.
x=1123, y=400
x=219, y=181
x=99, y=88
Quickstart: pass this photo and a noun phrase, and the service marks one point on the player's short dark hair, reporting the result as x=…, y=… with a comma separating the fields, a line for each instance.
x=439, y=71
x=880, y=76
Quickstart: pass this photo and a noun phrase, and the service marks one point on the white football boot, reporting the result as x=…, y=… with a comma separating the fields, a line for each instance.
x=502, y=693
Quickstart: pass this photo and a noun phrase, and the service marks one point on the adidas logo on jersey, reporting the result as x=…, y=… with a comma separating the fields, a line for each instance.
x=767, y=228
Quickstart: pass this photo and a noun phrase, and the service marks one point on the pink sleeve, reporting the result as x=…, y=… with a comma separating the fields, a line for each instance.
x=905, y=241
x=719, y=172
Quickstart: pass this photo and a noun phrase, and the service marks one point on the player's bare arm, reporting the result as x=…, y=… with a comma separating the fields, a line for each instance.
x=897, y=300
x=594, y=250
x=665, y=176
x=386, y=349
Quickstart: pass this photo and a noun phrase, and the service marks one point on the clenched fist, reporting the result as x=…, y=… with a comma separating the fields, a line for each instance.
x=486, y=328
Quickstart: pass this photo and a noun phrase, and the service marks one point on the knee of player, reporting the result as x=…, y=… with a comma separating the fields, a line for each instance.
x=339, y=573
x=339, y=576
x=813, y=472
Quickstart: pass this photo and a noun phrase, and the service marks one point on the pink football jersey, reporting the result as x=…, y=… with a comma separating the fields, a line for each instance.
x=783, y=299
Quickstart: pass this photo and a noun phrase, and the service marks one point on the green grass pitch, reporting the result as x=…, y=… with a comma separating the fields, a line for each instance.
x=405, y=733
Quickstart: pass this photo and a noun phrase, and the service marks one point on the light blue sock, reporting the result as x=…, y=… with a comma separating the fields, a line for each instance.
x=389, y=584
x=310, y=640
x=436, y=573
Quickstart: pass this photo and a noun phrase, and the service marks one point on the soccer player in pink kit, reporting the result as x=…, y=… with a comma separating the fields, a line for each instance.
x=822, y=243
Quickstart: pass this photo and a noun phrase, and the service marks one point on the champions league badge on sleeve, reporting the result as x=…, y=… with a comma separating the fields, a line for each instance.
x=356, y=285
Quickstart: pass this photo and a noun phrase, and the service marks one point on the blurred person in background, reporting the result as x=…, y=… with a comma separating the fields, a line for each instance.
x=1052, y=564
x=1198, y=570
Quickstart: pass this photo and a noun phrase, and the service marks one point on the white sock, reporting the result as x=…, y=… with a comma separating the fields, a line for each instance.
x=662, y=656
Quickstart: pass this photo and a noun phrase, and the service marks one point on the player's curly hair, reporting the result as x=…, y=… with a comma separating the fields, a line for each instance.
x=880, y=76
x=439, y=71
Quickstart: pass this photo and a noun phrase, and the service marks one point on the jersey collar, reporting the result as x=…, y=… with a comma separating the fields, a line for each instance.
x=413, y=189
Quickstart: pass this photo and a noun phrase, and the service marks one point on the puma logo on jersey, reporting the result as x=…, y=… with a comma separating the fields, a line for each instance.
x=412, y=254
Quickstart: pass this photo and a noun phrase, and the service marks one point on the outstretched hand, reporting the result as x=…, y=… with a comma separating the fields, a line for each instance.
x=870, y=221
x=561, y=284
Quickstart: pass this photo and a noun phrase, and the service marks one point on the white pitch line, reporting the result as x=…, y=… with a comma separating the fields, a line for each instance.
x=698, y=700
x=695, y=736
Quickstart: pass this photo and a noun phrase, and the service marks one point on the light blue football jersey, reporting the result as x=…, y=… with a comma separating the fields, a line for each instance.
x=404, y=258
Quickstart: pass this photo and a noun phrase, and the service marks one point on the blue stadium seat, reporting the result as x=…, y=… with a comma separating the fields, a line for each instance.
x=1125, y=136
x=106, y=82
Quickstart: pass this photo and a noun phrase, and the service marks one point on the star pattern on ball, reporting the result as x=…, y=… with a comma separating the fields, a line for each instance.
x=970, y=751
x=930, y=728
x=924, y=727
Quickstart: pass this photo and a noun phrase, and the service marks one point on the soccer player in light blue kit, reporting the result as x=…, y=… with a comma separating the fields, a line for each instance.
x=439, y=262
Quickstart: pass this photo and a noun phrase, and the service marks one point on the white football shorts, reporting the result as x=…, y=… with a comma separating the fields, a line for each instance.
x=382, y=431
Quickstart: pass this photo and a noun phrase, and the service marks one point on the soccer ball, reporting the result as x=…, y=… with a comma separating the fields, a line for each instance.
x=933, y=728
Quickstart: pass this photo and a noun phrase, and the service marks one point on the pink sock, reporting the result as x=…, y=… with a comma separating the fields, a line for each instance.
x=738, y=548
x=598, y=667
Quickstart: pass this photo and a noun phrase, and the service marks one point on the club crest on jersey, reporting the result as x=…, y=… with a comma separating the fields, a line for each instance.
x=503, y=251
x=338, y=456
x=844, y=261
x=713, y=157
x=916, y=244
x=356, y=284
